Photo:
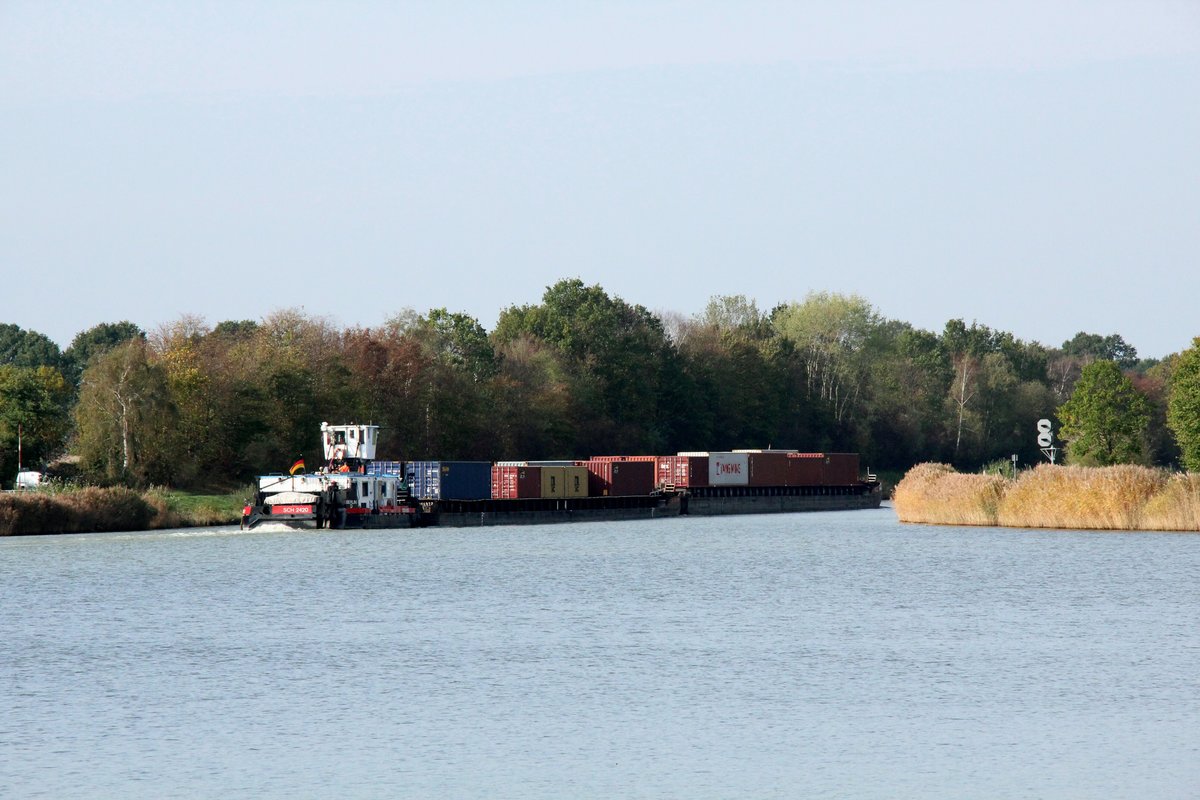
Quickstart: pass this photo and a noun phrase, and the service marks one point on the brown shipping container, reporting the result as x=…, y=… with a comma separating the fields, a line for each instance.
x=841, y=469
x=806, y=469
x=768, y=469
x=620, y=478
x=684, y=472
x=511, y=483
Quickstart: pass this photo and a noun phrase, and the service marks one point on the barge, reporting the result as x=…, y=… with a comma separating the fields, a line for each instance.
x=354, y=490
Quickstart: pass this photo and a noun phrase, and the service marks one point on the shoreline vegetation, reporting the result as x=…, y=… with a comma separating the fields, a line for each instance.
x=98, y=510
x=1118, y=498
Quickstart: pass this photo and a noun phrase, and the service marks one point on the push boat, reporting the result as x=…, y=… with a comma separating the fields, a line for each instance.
x=354, y=490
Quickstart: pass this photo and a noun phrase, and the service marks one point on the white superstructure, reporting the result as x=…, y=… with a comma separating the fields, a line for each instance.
x=342, y=442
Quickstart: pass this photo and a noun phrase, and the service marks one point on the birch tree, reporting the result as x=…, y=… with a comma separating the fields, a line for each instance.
x=124, y=416
x=831, y=333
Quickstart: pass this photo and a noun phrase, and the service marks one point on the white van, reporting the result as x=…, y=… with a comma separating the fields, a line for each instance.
x=28, y=480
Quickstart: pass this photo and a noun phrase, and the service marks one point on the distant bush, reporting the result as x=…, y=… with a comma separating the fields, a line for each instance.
x=1123, y=497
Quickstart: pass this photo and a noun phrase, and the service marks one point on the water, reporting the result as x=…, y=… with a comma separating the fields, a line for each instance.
x=811, y=655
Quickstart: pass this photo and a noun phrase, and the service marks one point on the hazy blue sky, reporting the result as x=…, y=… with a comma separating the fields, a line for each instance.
x=1034, y=166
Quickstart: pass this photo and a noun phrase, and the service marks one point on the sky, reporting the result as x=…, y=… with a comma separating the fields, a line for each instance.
x=1031, y=166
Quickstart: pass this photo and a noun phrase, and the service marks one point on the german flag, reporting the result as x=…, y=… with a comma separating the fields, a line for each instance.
x=297, y=467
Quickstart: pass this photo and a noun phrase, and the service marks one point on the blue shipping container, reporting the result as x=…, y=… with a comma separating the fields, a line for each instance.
x=449, y=480
x=385, y=468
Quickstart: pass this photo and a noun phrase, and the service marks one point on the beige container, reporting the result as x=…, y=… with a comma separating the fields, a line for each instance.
x=554, y=482
x=576, y=481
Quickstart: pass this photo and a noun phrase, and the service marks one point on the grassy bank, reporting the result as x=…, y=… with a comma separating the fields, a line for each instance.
x=95, y=509
x=1102, y=498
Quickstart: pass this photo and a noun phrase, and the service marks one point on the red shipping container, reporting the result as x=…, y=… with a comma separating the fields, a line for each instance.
x=510, y=483
x=806, y=469
x=768, y=469
x=620, y=478
x=682, y=472
x=624, y=458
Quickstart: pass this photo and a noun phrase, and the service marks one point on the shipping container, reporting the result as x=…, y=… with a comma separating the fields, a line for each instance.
x=767, y=468
x=823, y=469
x=553, y=484
x=555, y=463
x=806, y=469
x=623, y=458
x=620, y=478
x=682, y=472
x=450, y=480
x=385, y=468
x=841, y=469
x=576, y=480
x=564, y=482
x=514, y=482
x=728, y=469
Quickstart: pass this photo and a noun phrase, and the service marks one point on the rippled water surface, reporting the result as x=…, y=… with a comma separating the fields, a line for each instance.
x=804, y=655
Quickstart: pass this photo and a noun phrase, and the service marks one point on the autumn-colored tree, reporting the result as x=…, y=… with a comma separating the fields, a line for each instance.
x=125, y=419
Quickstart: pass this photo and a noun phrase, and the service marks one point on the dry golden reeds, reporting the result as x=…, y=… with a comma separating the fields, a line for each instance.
x=1176, y=507
x=1124, y=497
x=1107, y=498
x=935, y=493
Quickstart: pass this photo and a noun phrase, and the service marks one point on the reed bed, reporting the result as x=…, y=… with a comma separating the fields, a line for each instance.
x=87, y=510
x=1103, y=498
x=935, y=493
x=1176, y=507
x=1122, y=497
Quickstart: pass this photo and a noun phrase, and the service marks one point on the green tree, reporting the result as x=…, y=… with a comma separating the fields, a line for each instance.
x=831, y=333
x=34, y=408
x=95, y=341
x=460, y=341
x=1094, y=347
x=1183, y=405
x=22, y=348
x=620, y=359
x=1105, y=420
x=736, y=313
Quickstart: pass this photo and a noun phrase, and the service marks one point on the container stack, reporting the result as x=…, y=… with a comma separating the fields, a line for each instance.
x=449, y=480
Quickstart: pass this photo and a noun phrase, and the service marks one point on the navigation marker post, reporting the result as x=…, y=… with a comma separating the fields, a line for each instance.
x=1045, y=439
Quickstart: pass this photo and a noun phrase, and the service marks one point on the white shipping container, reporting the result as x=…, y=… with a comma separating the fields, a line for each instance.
x=728, y=469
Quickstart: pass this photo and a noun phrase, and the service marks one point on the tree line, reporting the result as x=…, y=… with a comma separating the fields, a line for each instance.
x=581, y=373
